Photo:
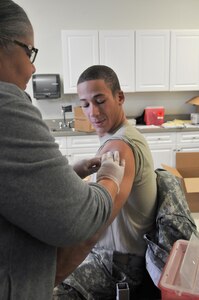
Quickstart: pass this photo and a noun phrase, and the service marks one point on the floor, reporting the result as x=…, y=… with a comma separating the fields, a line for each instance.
x=196, y=219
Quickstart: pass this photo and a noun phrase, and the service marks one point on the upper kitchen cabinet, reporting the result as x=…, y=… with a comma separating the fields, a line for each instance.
x=152, y=60
x=116, y=50
x=82, y=49
x=184, y=60
x=79, y=50
x=144, y=60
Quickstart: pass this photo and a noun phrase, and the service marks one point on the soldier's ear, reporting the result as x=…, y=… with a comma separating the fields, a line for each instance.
x=121, y=97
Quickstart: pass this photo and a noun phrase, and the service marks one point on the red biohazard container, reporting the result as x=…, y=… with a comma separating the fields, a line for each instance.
x=176, y=285
x=154, y=115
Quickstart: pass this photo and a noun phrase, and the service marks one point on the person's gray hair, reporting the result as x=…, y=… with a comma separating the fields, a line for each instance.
x=14, y=22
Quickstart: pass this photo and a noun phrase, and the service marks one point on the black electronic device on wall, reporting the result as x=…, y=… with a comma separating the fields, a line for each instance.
x=46, y=86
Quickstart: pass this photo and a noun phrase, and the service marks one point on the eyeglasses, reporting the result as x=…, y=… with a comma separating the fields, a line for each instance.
x=30, y=50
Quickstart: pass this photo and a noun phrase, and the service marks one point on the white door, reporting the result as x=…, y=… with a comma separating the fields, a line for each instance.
x=162, y=155
x=82, y=146
x=74, y=155
x=80, y=50
x=152, y=60
x=184, y=70
x=117, y=52
x=162, y=146
x=188, y=141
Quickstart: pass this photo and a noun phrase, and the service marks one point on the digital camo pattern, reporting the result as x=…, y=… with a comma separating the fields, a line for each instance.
x=173, y=222
x=97, y=276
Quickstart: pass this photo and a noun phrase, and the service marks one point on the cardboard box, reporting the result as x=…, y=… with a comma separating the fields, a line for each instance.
x=81, y=123
x=154, y=115
x=194, y=101
x=172, y=283
x=187, y=170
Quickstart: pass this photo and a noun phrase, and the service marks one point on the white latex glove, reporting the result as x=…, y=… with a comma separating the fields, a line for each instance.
x=112, y=168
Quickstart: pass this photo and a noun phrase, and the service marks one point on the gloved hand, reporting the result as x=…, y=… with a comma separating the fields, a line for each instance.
x=86, y=167
x=112, y=168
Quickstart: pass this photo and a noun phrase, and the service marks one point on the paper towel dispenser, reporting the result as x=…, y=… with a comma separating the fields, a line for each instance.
x=46, y=86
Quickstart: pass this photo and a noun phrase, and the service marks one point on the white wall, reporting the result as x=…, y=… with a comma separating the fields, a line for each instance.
x=49, y=17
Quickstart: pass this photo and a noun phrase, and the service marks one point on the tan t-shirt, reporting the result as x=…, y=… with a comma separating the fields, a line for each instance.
x=136, y=218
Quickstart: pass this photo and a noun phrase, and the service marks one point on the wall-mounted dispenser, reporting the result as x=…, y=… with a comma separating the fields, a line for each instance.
x=46, y=86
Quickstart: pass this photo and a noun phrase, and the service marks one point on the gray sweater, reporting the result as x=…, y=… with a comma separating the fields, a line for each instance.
x=44, y=204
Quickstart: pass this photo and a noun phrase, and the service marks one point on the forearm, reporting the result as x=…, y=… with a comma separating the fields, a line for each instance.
x=69, y=258
x=67, y=261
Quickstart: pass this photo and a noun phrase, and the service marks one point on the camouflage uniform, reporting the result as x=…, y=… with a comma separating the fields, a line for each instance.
x=97, y=276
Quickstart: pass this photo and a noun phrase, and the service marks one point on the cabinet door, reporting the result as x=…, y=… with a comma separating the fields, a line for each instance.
x=83, y=141
x=152, y=60
x=117, y=52
x=188, y=141
x=184, y=71
x=78, y=147
x=81, y=147
x=162, y=146
x=74, y=155
x=79, y=51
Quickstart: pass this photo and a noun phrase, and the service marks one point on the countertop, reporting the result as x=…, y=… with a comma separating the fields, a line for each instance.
x=56, y=131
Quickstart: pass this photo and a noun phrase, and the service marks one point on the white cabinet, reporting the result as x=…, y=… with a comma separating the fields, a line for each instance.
x=162, y=146
x=78, y=147
x=188, y=141
x=79, y=51
x=117, y=51
x=167, y=60
x=184, y=69
x=152, y=60
x=144, y=60
x=82, y=49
